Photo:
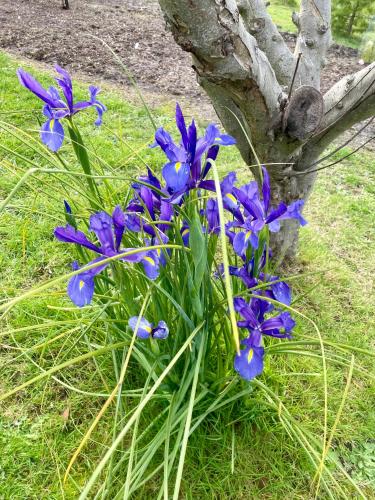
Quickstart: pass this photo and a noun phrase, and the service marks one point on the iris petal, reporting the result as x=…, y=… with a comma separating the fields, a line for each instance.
x=176, y=175
x=52, y=134
x=161, y=331
x=144, y=327
x=249, y=363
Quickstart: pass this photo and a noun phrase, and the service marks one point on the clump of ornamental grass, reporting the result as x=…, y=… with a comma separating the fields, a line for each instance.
x=182, y=271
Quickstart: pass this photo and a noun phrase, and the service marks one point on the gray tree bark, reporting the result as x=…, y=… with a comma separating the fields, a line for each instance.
x=245, y=67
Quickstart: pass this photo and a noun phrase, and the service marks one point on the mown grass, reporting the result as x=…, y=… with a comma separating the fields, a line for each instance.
x=281, y=12
x=41, y=426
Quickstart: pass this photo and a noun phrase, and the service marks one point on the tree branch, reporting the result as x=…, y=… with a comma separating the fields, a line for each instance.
x=314, y=39
x=349, y=101
x=259, y=24
x=230, y=66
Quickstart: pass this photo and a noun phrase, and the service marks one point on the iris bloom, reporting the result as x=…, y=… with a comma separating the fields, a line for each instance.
x=260, y=213
x=146, y=329
x=249, y=362
x=109, y=231
x=184, y=168
x=149, y=201
x=56, y=108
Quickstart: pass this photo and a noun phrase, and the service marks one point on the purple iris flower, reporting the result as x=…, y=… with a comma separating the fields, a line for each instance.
x=260, y=211
x=56, y=108
x=148, y=200
x=184, y=168
x=249, y=362
x=254, y=318
x=146, y=329
x=109, y=231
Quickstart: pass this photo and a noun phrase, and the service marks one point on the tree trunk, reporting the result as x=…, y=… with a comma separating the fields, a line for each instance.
x=264, y=94
x=352, y=19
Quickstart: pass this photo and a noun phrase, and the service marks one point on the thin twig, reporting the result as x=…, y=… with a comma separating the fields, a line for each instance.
x=307, y=172
x=294, y=75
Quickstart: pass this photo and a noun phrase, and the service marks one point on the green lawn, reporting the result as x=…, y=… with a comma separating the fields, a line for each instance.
x=281, y=13
x=41, y=426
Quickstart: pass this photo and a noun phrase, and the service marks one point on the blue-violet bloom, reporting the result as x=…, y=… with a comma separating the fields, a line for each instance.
x=109, y=231
x=55, y=108
x=146, y=329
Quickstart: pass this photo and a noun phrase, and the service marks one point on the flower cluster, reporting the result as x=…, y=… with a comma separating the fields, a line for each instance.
x=152, y=218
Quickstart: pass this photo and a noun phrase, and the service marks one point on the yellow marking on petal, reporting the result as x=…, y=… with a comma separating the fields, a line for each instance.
x=81, y=284
x=217, y=139
x=185, y=231
x=178, y=166
x=51, y=124
x=231, y=197
x=148, y=329
x=150, y=260
x=247, y=235
x=250, y=355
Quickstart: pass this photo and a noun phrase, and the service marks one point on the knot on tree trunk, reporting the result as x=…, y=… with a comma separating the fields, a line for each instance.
x=304, y=113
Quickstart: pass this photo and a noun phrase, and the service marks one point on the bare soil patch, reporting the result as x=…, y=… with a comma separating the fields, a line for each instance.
x=41, y=30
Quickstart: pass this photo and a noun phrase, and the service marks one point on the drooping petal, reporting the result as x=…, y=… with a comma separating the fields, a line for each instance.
x=151, y=265
x=242, y=240
x=249, y=363
x=100, y=111
x=161, y=331
x=176, y=175
x=144, y=328
x=52, y=134
x=225, y=140
x=101, y=224
x=81, y=290
x=69, y=234
x=282, y=292
x=81, y=287
x=294, y=212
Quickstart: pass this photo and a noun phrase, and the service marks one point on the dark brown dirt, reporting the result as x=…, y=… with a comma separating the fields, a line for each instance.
x=41, y=30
